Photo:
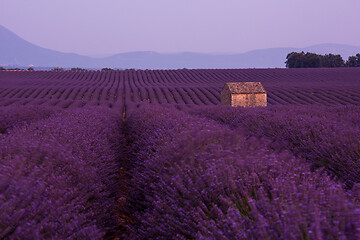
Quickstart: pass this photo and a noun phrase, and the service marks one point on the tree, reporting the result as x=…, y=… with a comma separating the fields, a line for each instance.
x=313, y=60
x=77, y=69
x=331, y=61
x=302, y=60
x=106, y=69
x=353, y=61
x=58, y=69
x=295, y=60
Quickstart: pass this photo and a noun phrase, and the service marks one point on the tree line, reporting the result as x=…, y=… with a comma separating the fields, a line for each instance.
x=313, y=60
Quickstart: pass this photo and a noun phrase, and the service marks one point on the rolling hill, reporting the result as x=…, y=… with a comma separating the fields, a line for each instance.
x=15, y=51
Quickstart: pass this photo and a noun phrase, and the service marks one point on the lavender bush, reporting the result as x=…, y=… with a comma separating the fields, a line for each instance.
x=195, y=179
x=15, y=115
x=326, y=136
x=209, y=176
x=59, y=177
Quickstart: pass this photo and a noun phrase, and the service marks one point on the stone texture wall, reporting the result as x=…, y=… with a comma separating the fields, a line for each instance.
x=225, y=96
x=249, y=100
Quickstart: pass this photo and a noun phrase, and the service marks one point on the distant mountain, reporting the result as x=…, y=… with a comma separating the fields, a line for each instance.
x=15, y=51
x=344, y=50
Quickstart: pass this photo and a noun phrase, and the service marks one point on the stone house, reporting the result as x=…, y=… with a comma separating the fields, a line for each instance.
x=244, y=94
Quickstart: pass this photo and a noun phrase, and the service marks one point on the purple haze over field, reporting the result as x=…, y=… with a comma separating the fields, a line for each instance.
x=93, y=27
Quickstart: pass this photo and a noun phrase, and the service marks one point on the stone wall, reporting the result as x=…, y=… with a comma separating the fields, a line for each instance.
x=225, y=96
x=249, y=100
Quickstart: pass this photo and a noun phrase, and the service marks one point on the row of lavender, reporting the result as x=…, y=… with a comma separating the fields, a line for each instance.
x=324, y=136
x=59, y=173
x=72, y=97
x=203, y=175
x=194, y=178
x=195, y=76
x=115, y=89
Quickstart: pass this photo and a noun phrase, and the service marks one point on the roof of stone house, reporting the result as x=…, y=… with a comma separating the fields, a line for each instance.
x=245, y=87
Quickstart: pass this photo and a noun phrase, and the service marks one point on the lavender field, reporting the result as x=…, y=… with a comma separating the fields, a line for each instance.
x=118, y=89
x=140, y=154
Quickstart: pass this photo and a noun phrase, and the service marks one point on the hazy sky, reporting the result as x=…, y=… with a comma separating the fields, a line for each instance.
x=93, y=27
